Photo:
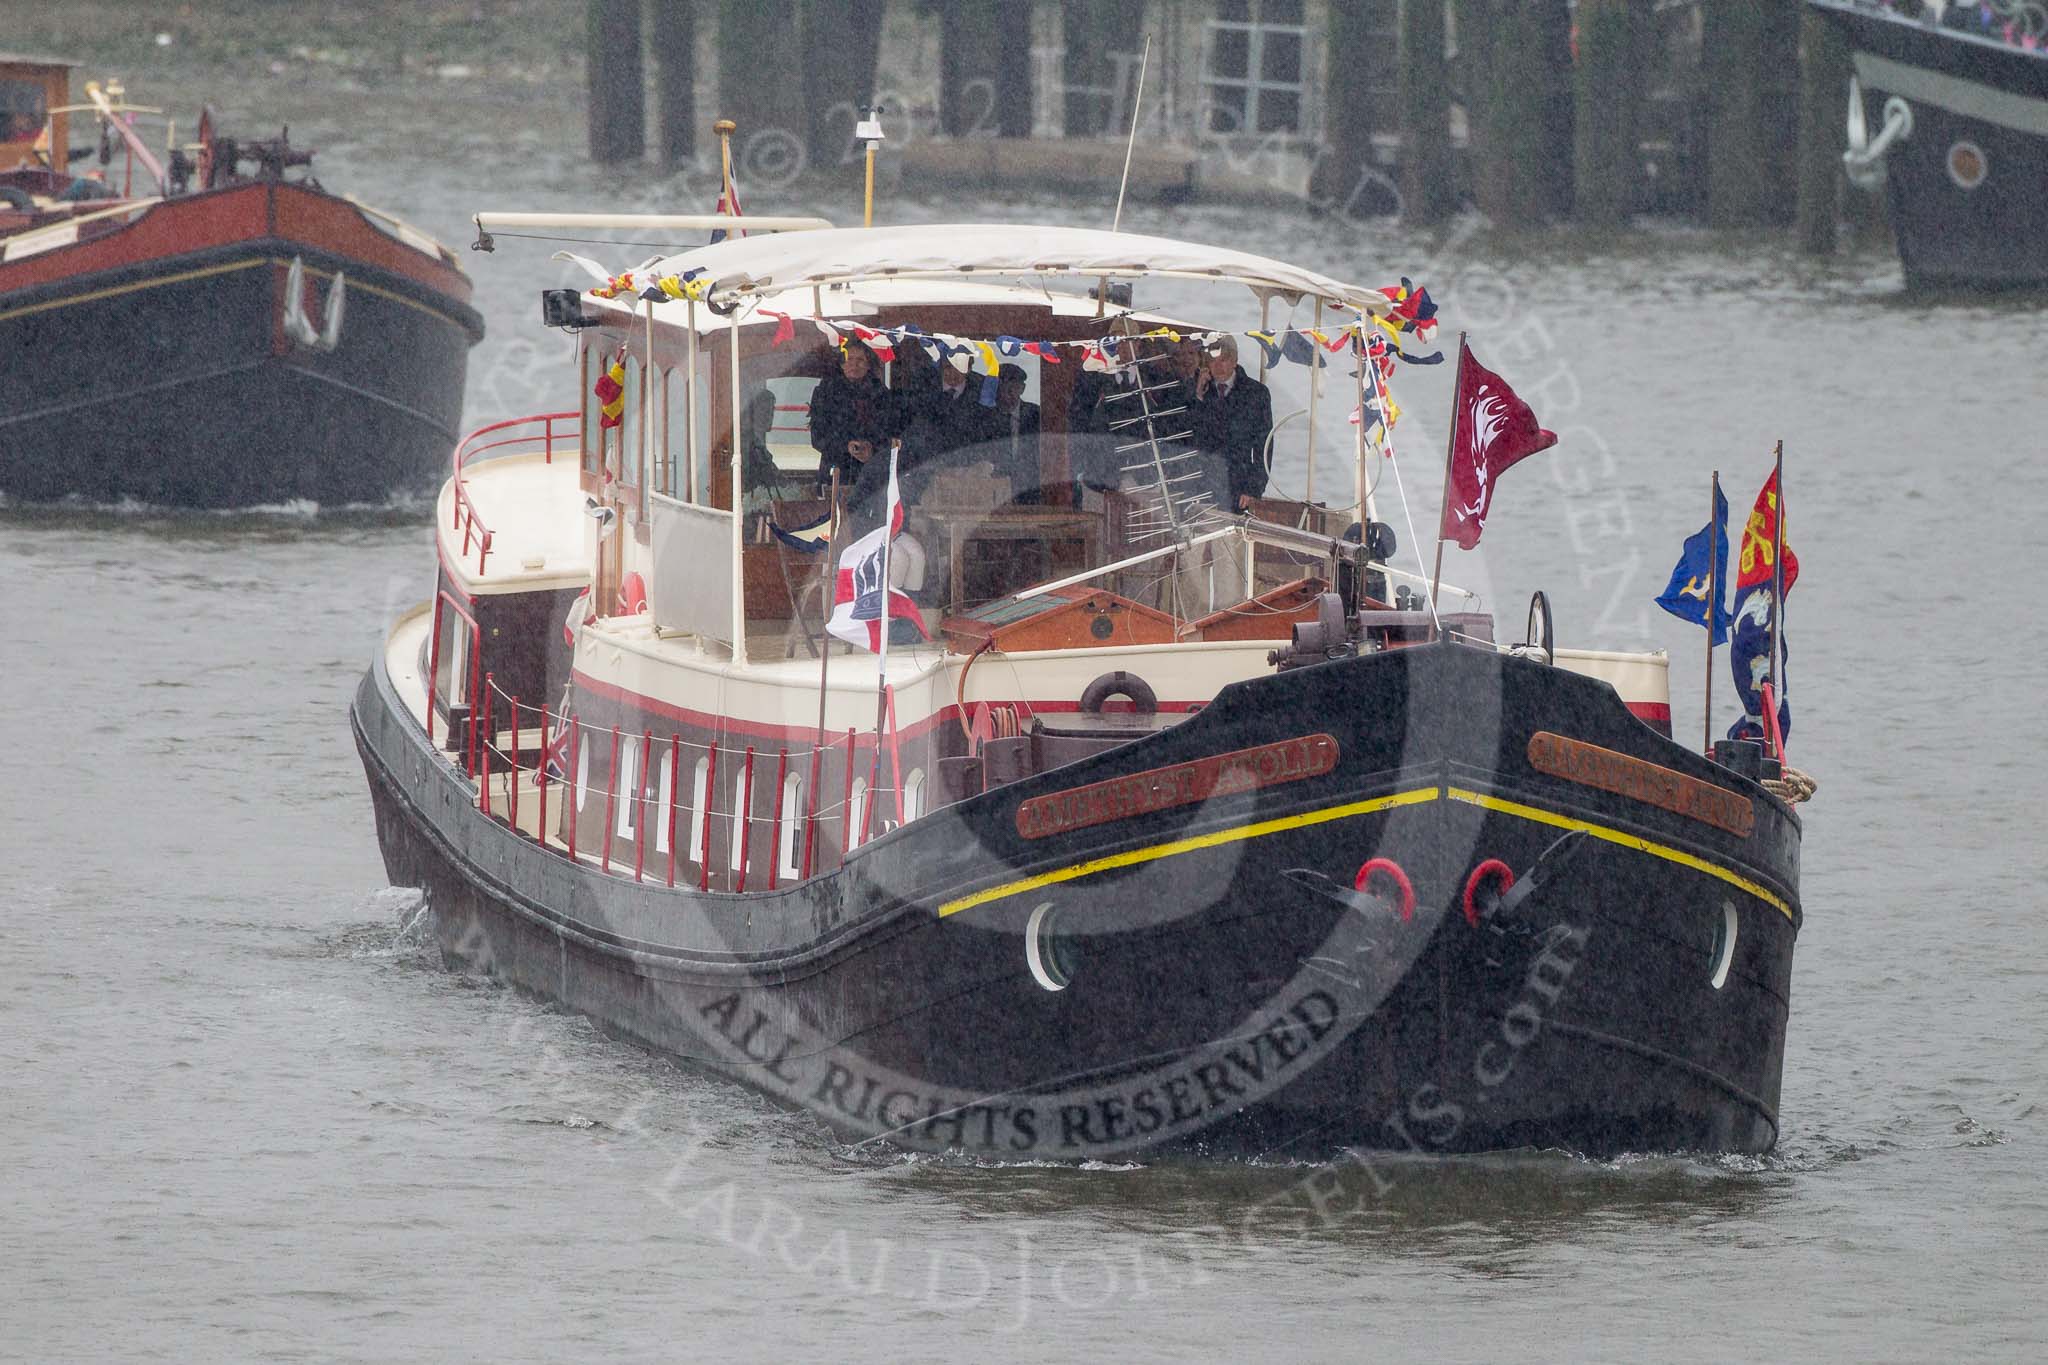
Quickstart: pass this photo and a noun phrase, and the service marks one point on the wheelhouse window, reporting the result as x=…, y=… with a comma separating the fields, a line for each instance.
x=789, y=432
x=1254, y=69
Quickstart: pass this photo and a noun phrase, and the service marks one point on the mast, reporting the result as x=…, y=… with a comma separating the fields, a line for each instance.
x=1315, y=386
x=1777, y=583
x=825, y=593
x=1713, y=607
x=1450, y=452
x=889, y=510
x=1364, y=357
x=869, y=131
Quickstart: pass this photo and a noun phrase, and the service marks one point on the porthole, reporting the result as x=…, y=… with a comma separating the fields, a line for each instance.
x=1967, y=165
x=1724, y=945
x=1046, y=952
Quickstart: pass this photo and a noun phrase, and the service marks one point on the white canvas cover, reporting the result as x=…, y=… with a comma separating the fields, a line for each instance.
x=770, y=264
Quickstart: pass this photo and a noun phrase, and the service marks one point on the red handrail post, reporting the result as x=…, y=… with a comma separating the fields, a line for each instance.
x=640, y=821
x=675, y=781
x=846, y=815
x=611, y=799
x=483, y=750
x=540, y=782
x=433, y=666
x=476, y=657
x=895, y=752
x=811, y=808
x=775, y=829
x=512, y=812
x=1777, y=740
x=744, y=814
x=710, y=786
x=575, y=788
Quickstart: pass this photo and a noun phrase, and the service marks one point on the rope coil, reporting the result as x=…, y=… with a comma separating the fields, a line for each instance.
x=1792, y=786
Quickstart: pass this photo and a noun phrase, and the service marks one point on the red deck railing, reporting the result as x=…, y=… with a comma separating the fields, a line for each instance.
x=509, y=743
x=565, y=427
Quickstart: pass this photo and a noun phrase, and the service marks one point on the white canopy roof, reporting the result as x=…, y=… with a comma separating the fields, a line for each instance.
x=748, y=266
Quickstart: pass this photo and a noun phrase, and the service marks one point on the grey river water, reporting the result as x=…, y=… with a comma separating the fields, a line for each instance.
x=245, y=1114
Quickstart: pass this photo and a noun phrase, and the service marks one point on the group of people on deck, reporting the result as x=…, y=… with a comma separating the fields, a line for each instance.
x=942, y=422
x=938, y=416
x=1203, y=391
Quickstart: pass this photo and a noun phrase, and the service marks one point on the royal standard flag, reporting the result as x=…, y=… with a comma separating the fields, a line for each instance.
x=1757, y=602
x=1703, y=562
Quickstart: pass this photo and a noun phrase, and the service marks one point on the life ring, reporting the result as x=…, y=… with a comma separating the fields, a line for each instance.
x=1120, y=684
x=632, y=595
x=1400, y=878
x=1492, y=867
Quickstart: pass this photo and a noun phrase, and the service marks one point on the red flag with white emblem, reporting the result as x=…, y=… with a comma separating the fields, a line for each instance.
x=1493, y=430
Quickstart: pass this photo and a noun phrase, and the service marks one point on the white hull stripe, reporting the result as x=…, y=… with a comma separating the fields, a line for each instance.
x=1970, y=99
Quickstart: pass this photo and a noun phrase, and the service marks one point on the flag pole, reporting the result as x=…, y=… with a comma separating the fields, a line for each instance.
x=825, y=592
x=1450, y=451
x=1777, y=581
x=725, y=128
x=882, y=653
x=1713, y=607
x=869, y=131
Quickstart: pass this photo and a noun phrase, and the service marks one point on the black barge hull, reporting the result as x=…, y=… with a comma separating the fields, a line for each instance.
x=154, y=364
x=1966, y=188
x=1223, y=993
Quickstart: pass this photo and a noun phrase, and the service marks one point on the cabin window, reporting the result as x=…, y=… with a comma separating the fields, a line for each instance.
x=698, y=420
x=1254, y=69
x=668, y=785
x=857, y=814
x=451, y=678
x=700, y=808
x=593, y=434
x=22, y=110
x=913, y=795
x=664, y=448
x=628, y=789
x=789, y=856
x=739, y=819
x=629, y=429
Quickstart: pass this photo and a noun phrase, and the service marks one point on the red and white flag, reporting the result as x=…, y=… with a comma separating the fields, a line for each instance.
x=728, y=205
x=1494, y=430
x=858, y=615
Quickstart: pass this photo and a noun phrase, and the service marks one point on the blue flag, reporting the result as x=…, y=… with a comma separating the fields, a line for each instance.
x=1704, y=560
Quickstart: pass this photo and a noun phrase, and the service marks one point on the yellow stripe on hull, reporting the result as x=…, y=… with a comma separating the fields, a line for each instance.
x=114, y=291
x=1417, y=796
x=1615, y=836
x=1154, y=852
x=203, y=272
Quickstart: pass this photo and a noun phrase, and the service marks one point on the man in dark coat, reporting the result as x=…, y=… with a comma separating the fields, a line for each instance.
x=1015, y=446
x=954, y=411
x=1232, y=416
x=853, y=417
